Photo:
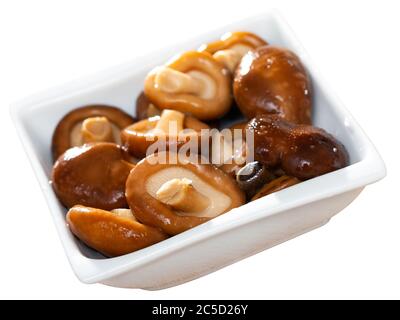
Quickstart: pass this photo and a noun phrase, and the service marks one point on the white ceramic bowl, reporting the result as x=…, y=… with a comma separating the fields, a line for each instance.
x=240, y=233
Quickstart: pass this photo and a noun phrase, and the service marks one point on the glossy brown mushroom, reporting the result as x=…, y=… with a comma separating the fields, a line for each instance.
x=144, y=108
x=113, y=233
x=172, y=126
x=275, y=186
x=193, y=83
x=94, y=123
x=252, y=177
x=93, y=175
x=232, y=46
x=177, y=196
x=272, y=80
x=302, y=151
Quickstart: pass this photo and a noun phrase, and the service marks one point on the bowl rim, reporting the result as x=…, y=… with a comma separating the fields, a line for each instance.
x=367, y=170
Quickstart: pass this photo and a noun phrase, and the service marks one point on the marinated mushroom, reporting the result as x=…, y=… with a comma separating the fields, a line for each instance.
x=144, y=108
x=232, y=46
x=113, y=233
x=275, y=186
x=302, y=151
x=93, y=175
x=173, y=126
x=94, y=123
x=178, y=195
x=272, y=80
x=193, y=83
x=118, y=207
x=252, y=177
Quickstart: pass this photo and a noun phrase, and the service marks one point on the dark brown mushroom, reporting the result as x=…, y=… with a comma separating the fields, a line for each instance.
x=92, y=175
x=302, y=151
x=272, y=80
x=252, y=177
x=177, y=195
x=113, y=233
x=94, y=123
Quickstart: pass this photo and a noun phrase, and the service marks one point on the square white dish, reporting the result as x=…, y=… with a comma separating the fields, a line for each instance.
x=233, y=236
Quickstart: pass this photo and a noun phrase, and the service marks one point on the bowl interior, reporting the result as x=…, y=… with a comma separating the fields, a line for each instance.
x=122, y=88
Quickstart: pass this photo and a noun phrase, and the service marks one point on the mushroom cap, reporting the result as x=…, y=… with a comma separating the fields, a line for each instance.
x=111, y=234
x=201, y=108
x=231, y=39
x=275, y=186
x=153, y=212
x=138, y=137
x=92, y=175
x=302, y=151
x=272, y=80
x=144, y=108
x=61, y=140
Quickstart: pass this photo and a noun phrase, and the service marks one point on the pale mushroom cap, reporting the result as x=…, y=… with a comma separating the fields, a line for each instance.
x=219, y=202
x=153, y=172
x=232, y=46
x=194, y=83
x=101, y=125
x=68, y=132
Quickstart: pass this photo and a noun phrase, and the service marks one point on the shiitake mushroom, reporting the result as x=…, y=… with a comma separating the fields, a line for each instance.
x=302, y=151
x=92, y=175
x=113, y=233
x=176, y=195
x=193, y=83
x=252, y=177
x=232, y=46
x=273, y=80
x=92, y=123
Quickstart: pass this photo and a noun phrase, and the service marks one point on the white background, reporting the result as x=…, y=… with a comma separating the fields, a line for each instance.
x=356, y=45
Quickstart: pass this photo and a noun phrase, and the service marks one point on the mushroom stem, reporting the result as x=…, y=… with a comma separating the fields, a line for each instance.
x=173, y=81
x=124, y=213
x=230, y=58
x=182, y=195
x=96, y=129
x=171, y=121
